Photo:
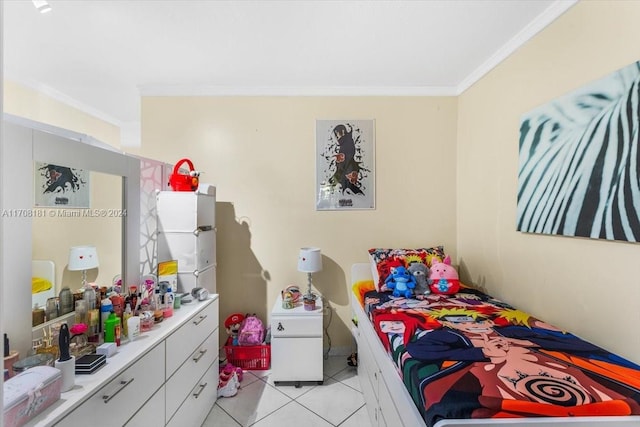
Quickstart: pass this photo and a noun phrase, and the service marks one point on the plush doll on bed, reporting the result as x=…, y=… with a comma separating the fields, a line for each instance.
x=420, y=272
x=401, y=282
x=443, y=278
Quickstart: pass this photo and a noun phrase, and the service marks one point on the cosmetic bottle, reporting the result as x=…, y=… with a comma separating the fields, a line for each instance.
x=118, y=304
x=66, y=301
x=168, y=304
x=51, y=312
x=37, y=315
x=112, y=328
x=133, y=327
x=81, y=312
x=106, y=307
x=125, y=320
x=93, y=314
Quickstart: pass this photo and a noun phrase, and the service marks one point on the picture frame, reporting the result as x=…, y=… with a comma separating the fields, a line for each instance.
x=58, y=186
x=345, y=164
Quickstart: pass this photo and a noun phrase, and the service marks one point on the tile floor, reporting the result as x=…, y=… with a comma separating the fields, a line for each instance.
x=259, y=403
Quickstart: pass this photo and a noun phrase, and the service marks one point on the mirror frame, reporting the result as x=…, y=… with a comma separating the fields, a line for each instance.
x=28, y=141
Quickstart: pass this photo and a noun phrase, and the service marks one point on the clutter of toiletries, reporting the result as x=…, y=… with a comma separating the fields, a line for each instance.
x=105, y=318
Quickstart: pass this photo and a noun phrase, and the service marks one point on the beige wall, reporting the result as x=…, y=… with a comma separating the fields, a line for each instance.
x=591, y=287
x=259, y=152
x=52, y=237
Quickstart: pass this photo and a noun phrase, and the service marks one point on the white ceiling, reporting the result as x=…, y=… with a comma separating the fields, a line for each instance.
x=101, y=56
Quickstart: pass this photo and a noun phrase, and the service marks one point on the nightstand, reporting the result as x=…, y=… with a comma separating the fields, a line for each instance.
x=296, y=343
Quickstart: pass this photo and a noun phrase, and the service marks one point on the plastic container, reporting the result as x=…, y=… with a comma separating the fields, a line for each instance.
x=253, y=357
x=20, y=405
x=133, y=326
x=168, y=300
x=106, y=307
x=112, y=329
x=40, y=359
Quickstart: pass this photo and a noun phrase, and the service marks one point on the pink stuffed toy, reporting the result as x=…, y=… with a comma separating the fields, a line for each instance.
x=443, y=278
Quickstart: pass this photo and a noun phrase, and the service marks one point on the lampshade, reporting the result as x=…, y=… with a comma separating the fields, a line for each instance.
x=309, y=260
x=82, y=258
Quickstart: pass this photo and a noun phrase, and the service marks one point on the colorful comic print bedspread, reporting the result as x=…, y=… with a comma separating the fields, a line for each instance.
x=472, y=356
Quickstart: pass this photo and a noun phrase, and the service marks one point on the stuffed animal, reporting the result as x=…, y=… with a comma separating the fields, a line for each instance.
x=443, y=278
x=420, y=272
x=232, y=325
x=401, y=282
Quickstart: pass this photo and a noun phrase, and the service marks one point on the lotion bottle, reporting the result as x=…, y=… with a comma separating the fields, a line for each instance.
x=125, y=319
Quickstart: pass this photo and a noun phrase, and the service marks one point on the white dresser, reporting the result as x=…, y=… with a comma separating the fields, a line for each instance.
x=168, y=376
x=187, y=233
x=296, y=343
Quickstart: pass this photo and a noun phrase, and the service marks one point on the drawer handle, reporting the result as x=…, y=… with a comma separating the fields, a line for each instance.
x=280, y=327
x=123, y=383
x=202, y=386
x=200, y=319
x=197, y=358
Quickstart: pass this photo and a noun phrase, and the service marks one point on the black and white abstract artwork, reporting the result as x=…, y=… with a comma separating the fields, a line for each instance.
x=579, y=162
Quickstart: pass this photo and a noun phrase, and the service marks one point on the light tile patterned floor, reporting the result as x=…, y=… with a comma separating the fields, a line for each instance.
x=259, y=403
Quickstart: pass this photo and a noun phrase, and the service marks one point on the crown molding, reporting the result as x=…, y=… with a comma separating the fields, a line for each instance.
x=543, y=20
x=215, y=90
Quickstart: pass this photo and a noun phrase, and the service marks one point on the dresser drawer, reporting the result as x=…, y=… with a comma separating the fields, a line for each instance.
x=296, y=326
x=189, y=336
x=186, y=377
x=199, y=402
x=117, y=401
x=152, y=413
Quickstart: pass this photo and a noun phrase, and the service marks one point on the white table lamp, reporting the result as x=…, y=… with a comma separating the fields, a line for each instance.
x=83, y=258
x=309, y=261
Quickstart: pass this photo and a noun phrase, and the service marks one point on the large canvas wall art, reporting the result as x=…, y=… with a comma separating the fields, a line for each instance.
x=345, y=164
x=579, y=164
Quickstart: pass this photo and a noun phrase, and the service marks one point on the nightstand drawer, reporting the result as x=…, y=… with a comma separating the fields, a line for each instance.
x=296, y=326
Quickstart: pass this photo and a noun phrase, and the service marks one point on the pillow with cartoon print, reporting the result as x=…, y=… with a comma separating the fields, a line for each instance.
x=382, y=260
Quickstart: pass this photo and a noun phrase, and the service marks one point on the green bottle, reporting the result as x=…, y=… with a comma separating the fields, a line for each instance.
x=112, y=328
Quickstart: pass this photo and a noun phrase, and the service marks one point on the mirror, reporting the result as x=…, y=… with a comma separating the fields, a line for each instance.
x=29, y=141
x=95, y=220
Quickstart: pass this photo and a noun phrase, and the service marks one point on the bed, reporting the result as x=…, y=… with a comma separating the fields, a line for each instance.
x=407, y=382
x=43, y=276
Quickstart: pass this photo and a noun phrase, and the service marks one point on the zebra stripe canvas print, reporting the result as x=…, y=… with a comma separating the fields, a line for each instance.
x=579, y=162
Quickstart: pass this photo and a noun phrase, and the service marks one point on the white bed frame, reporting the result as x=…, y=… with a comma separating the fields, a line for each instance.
x=46, y=270
x=388, y=401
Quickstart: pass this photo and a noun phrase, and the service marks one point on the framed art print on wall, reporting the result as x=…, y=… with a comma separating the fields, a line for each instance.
x=60, y=186
x=345, y=161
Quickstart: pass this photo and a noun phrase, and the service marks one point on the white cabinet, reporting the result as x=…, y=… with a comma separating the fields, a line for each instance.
x=187, y=234
x=296, y=343
x=168, y=376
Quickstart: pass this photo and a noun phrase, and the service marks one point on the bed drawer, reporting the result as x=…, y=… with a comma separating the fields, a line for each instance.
x=189, y=336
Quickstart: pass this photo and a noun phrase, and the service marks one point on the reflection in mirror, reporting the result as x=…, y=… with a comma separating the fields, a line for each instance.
x=29, y=141
x=94, y=219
